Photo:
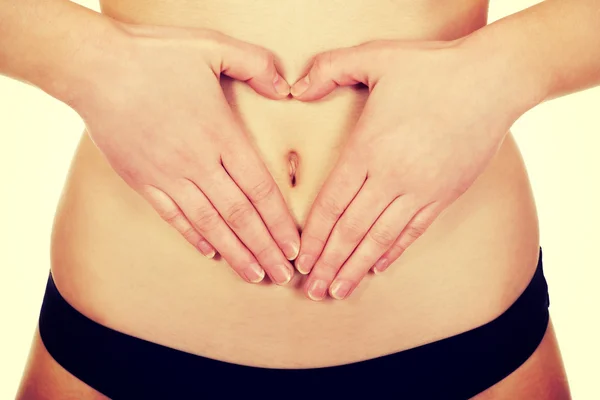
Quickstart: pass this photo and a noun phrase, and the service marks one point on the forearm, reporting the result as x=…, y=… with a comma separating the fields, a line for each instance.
x=54, y=44
x=545, y=51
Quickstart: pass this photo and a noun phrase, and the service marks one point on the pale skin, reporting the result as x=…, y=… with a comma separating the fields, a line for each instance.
x=411, y=155
x=165, y=127
x=436, y=114
x=189, y=158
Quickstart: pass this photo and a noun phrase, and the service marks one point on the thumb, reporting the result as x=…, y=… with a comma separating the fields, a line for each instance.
x=342, y=67
x=254, y=65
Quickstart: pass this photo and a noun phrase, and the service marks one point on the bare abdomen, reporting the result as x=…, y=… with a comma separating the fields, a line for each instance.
x=118, y=263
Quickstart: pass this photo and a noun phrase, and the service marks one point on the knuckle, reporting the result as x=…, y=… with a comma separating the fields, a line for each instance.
x=278, y=223
x=189, y=233
x=171, y=216
x=262, y=253
x=205, y=218
x=399, y=247
x=262, y=59
x=311, y=241
x=382, y=237
x=330, y=207
x=414, y=231
x=323, y=62
x=330, y=263
x=350, y=229
x=267, y=60
x=239, y=214
x=261, y=191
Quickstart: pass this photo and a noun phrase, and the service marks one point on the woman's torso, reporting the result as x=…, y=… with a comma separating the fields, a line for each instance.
x=116, y=261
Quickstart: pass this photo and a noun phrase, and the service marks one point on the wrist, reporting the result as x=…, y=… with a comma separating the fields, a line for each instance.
x=518, y=80
x=79, y=74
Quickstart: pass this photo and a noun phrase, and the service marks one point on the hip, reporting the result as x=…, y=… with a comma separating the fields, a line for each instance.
x=118, y=263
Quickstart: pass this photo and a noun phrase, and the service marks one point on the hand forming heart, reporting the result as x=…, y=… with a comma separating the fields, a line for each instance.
x=434, y=118
x=432, y=122
x=159, y=116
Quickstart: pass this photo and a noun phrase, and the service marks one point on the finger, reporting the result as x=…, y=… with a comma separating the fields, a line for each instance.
x=241, y=216
x=377, y=241
x=415, y=228
x=348, y=232
x=172, y=214
x=254, y=65
x=341, y=67
x=203, y=216
x=339, y=189
x=250, y=174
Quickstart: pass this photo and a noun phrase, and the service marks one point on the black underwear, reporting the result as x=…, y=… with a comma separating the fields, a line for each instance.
x=458, y=367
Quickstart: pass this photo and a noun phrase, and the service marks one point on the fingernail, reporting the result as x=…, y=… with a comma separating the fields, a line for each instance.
x=340, y=289
x=300, y=86
x=291, y=249
x=305, y=263
x=317, y=290
x=281, y=85
x=254, y=273
x=281, y=274
x=380, y=266
x=206, y=249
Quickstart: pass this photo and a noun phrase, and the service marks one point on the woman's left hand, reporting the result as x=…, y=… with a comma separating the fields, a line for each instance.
x=435, y=116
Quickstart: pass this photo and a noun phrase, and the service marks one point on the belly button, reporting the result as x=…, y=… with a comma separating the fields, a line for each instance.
x=293, y=159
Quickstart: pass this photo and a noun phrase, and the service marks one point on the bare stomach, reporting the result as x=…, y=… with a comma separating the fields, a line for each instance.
x=117, y=262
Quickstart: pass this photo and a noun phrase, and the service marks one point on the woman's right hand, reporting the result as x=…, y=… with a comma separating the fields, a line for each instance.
x=158, y=114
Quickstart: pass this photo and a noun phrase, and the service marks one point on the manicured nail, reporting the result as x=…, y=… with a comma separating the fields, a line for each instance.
x=281, y=85
x=291, y=249
x=340, y=289
x=381, y=265
x=317, y=290
x=305, y=263
x=206, y=249
x=300, y=86
x=254, y=273
x=281, y=274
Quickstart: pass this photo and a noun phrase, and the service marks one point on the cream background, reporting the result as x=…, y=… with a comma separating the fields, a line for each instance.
x=560, y=141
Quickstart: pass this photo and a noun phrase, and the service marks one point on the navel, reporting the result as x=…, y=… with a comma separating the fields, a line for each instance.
x=293, y=160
